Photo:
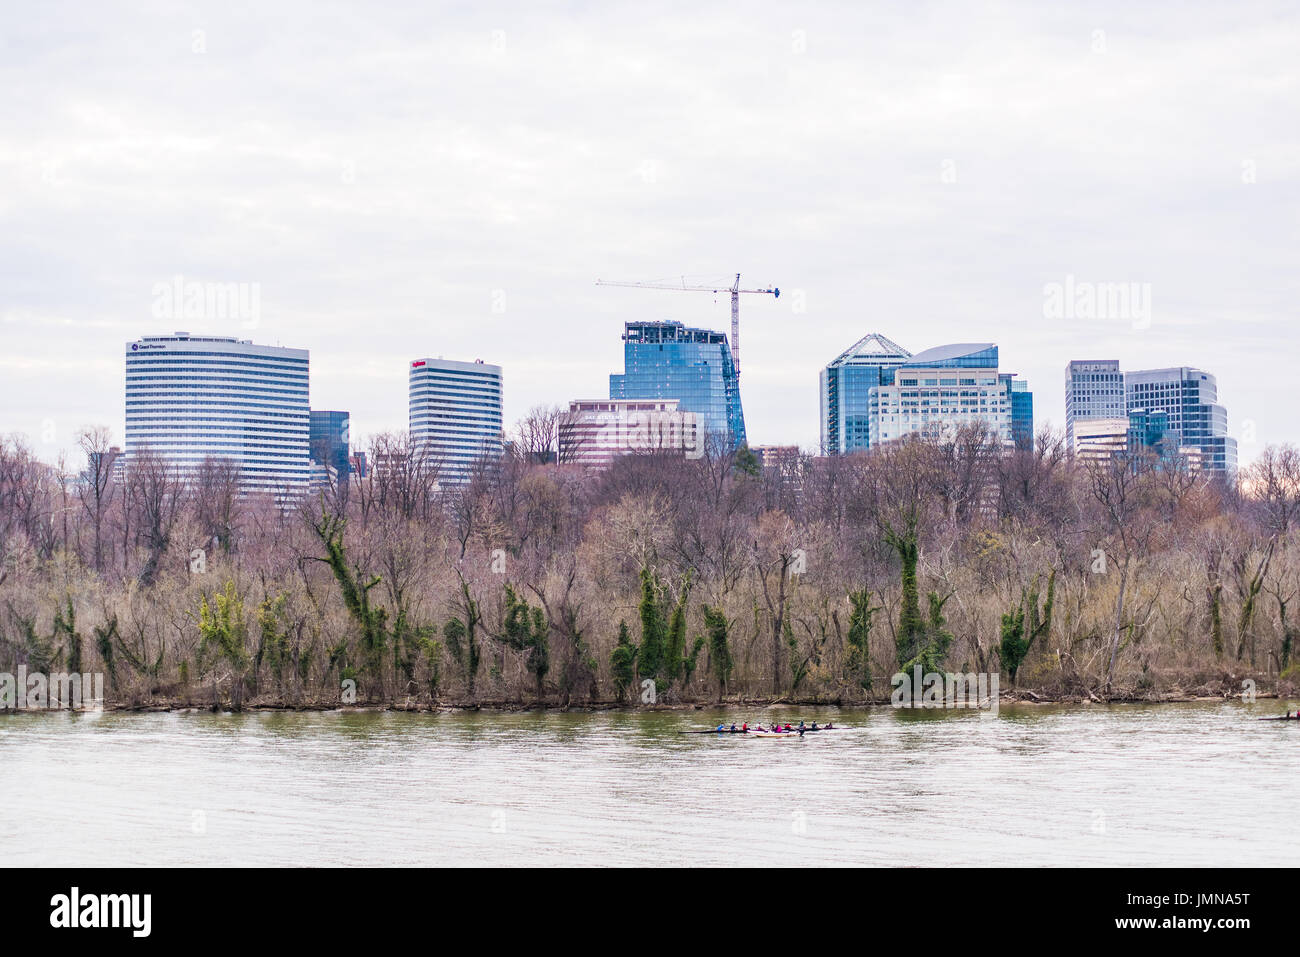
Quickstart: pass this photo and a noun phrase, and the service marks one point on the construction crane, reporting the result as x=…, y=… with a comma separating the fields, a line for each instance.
x=735, y=291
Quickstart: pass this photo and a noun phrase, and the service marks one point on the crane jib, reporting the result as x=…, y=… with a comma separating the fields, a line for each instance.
x=735, y=291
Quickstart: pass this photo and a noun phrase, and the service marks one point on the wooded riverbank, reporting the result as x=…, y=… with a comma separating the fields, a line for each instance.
x=543, y=584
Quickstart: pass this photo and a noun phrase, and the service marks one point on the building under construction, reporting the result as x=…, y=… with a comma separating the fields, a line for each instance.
x=668, y=360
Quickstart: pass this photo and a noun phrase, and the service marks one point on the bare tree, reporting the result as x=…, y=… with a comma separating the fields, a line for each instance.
x=217, y=500
x=155, y=491
x=1275, y=481
x=775, y=556
x=1121, y=486
x=97, y=488
x=404, y=476
x=27, y=490
x=538, y=434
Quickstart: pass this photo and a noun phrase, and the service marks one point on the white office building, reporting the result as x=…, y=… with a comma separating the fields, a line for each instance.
x=191, y=398
x=594, y=431
x=456, y=414
x=935, y=392
x=1100, y=440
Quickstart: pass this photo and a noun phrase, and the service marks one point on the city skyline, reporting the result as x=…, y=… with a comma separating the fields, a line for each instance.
x=936, y=179
x=359, y=437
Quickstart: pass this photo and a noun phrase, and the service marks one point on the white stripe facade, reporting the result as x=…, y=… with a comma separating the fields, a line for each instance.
x=595, y=431
x=190, y=398
x=456, y=413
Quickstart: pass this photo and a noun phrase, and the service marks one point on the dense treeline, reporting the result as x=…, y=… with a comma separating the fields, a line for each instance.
x=538, y=581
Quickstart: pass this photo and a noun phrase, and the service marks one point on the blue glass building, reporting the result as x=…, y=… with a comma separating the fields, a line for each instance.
x=843, y=391
x=667, y=360
x=329, y=440
x=876, y=391
x=1022, y=410
x=1189, y=398
x=1150, y=430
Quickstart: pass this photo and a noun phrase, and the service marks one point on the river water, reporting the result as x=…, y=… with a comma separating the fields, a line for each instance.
x=1120, y=785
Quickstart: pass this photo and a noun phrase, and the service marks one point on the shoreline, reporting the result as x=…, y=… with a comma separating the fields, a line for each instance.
x=1020, y=698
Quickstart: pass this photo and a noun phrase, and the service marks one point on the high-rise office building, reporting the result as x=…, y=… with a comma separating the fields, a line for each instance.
x=1189, y=398
x=843, y=389
x=934, y=392
x=456, y=414
x=1094, y=389
x=330, y=441
x=1181, y=403
x=667, y=360
x=1022, y=410
x=191, y=398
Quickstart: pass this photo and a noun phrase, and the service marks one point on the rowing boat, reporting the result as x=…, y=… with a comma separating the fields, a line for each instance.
x=716, y=731
x=1282, y=717
x=754, y=731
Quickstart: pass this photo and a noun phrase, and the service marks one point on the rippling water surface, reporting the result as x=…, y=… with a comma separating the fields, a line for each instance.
x=1197, y=784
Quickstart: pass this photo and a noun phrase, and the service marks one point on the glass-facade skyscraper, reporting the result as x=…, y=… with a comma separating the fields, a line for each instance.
x=1190, y=400
x=1178, y=407
x=1094, y=389
x=329, y=440
x=667, y=360
x=1022, y=411
x=843, y=392
x=1150, y=430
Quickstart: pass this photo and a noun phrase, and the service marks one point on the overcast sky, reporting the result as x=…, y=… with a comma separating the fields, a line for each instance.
x=447, y=179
